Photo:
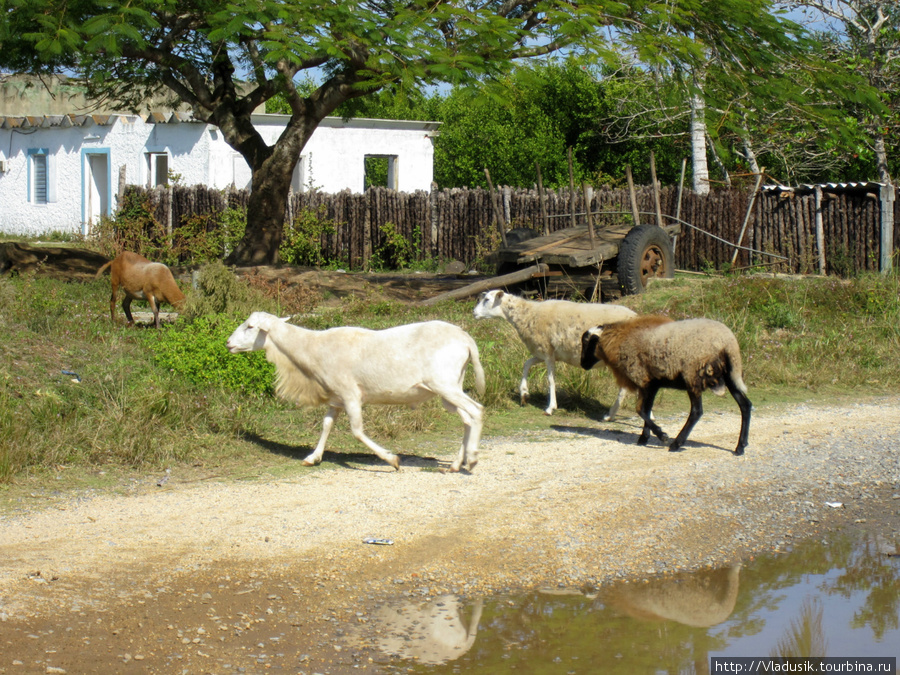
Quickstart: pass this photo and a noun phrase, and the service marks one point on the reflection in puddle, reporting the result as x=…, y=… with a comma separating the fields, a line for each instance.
x=430, y=631
x=839, y=598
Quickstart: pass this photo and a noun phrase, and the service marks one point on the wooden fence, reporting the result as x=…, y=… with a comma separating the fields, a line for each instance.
x=458, y=223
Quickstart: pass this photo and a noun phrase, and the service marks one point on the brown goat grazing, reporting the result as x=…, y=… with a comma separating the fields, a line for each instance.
x=141, y=279
x=649, y=353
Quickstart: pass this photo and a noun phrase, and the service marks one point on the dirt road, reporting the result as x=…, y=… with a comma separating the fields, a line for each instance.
x=225, y=577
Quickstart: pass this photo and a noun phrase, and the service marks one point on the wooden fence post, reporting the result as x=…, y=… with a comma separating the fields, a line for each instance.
x=540, y=183
x=571, y=190
x=495, y=208
x=820, y=230
x=748, y=214
x=633, y=196
x=887, y=228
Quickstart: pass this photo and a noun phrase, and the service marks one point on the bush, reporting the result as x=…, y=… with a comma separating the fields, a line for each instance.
x=197, y=351
x=301, y=243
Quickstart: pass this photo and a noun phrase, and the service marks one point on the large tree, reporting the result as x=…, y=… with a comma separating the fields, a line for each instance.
x=200, y=50
x=864, y=37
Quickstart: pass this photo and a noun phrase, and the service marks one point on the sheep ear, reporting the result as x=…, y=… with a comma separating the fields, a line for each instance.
x=284, y=318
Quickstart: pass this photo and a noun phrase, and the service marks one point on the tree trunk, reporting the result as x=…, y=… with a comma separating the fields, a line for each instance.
x=698, y=145
x=881, y=159
x=269, y=193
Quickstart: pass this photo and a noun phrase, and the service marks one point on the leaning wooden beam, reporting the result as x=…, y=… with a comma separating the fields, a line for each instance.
x=489, y=284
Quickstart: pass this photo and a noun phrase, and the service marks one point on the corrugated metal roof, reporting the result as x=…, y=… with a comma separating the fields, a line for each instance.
x=103, y=120
x=826, y=187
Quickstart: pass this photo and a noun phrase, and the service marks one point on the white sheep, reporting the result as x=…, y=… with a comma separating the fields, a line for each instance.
x=552, y=331
x=347, y=367
x=648, y=353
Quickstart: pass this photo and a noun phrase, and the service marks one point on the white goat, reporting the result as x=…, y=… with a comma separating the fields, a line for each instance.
x=552, y=331
x=346, y=367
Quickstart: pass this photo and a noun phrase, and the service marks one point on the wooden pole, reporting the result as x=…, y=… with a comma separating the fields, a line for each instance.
x=659, y=218
x=888, y=195
x=489, y=284
x=759, y=178
x=544, y=219
x=588, y=198
x=678, y=204
x=820, y=230
x=571, y=190
x=633, y=196
x=495, y=208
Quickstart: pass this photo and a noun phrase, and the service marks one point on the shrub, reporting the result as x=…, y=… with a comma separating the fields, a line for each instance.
x=301, y=243
x=197, y=351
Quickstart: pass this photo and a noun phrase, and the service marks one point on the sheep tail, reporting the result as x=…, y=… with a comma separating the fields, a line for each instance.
x=102, y=269
x=476, y=364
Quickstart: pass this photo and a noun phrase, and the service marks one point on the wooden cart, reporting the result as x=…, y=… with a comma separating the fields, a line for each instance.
x=634, y=254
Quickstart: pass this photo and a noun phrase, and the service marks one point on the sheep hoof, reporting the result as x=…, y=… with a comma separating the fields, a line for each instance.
x=548, y=412
x=738, y=451
x=309, y=462
x=394, y=462
x=674, y=447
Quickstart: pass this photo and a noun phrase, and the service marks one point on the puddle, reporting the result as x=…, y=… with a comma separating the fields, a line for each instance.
x=837, y=597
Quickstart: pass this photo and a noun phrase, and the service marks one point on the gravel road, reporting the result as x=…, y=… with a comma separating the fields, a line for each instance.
x=206, y=576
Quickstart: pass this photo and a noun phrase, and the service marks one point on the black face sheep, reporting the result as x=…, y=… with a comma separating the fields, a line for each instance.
x=348, y=367
x=141, y=279
x=652, y=352
x=552, y=332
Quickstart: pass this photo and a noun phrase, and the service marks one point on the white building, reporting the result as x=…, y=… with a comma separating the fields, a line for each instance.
x=60, y=173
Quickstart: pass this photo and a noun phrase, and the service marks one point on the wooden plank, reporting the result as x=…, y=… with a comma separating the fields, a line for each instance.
x=489, y=284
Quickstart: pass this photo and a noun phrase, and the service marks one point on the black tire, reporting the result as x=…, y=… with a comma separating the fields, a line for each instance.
x=645, y=253
x=515, y=236
x=519, y=234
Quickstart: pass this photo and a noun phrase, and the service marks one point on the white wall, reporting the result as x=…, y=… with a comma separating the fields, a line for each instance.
x=333, y=160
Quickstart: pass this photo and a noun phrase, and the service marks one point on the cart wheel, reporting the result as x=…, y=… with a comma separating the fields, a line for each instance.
x=646, y=252
x=515, y=236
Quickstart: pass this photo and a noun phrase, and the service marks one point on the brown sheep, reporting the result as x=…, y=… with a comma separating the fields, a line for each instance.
x=141, y=279
x=652, y=352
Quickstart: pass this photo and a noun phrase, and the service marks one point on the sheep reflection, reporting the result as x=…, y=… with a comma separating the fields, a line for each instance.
x=701, y=600
x=432, y=632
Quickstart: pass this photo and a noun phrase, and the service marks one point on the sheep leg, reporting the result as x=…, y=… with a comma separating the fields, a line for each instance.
x=471, y=413
x=523, y=385
x=354, y=412
x=316, y=455
x=126, y=306
x=614, y=408
x=551, y=381
x=745, y=406
x=646, y=397
x=693, y=418
x=154, y=308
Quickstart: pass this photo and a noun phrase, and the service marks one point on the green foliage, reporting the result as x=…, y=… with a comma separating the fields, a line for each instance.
x=197, y=351
x=302, y=241
x=219, y=291
x=134, y=227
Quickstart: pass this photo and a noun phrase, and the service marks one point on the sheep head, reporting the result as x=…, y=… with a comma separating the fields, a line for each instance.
x=591, y=349
x=489, y=305
x=250, y=336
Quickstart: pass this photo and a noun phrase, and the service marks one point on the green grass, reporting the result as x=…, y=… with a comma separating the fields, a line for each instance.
x=149, y=400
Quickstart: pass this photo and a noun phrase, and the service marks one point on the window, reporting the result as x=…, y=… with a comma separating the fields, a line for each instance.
x=41, y=183
x=381, y=171
x=158, y=164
